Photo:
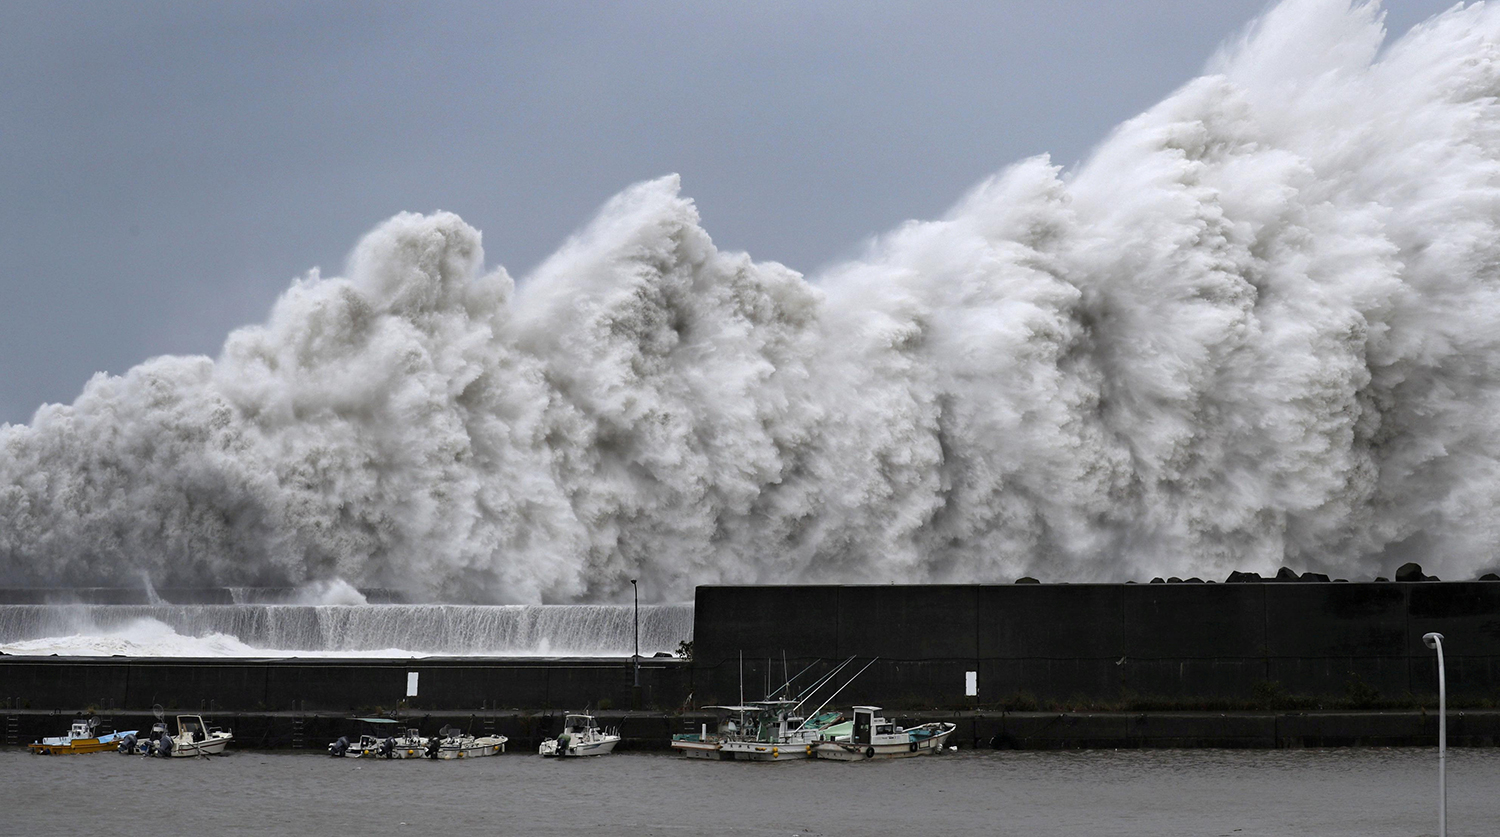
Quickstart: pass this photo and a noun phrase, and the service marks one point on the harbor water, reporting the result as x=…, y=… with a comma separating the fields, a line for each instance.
x=1223, y=793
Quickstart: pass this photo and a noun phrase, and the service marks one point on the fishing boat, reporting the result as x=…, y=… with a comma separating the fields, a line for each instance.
x=193, y=738
x=581, y=736
x=381, y=738
x=129, y=746
x=81, y=738
x=870, y=736
x=451, y=743
x=405, y=744
x=767, y=730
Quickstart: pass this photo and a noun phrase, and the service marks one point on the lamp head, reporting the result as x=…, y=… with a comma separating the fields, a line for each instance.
x=1431, y=640
x=632, y=581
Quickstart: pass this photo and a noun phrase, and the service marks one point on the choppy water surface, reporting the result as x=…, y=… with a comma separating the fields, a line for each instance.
x=1365, y=792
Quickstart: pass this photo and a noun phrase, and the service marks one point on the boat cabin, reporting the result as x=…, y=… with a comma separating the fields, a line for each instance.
x=869, y=726
x=578, y=724
x=376, y=731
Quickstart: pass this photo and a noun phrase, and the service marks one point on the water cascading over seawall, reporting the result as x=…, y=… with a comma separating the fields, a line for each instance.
x=166, y=630
x=1256, y=328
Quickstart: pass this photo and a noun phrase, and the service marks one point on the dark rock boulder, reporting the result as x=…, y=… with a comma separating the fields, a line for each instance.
x=1412, y=571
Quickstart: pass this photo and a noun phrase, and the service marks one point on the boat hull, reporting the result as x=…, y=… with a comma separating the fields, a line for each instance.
x=73, y=748
x=749, y=751
x=208, y=747
x=477, y=748
x=698, y=749
x=743, y=751
x=79, y=746
x=590, y=748
x=845, y=751
x=409, y=752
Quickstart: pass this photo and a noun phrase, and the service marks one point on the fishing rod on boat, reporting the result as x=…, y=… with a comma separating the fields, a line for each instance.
x=815, y=712
x=825, y=679
x=788, y=683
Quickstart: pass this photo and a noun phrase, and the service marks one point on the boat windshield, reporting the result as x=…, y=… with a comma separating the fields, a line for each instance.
x=190, y=727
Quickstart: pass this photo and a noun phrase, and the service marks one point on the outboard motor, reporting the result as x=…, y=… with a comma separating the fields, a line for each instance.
x=434, y=744
x=338, y=748
x=164, y=746
x=387, y=748
x=127, y=744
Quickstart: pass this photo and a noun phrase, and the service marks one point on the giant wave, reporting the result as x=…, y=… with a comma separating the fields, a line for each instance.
x=1257, y=327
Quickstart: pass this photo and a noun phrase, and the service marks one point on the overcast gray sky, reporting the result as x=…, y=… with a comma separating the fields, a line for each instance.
x=167, y=168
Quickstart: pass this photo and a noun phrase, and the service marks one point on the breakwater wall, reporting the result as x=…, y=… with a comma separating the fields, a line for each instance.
x=339, y=686
x=1152, y=645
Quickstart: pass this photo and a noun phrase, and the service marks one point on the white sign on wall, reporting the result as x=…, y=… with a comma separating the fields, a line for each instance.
x=971, y=684
x=411, y=684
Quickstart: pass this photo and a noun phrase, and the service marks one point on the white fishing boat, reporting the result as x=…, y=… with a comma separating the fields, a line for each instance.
x=581, y=736
x=451, y=743
x=381, y=738
x=767, y=730
x=131, y=746
x=870, y=736
x=193, y=738
x=406, y=744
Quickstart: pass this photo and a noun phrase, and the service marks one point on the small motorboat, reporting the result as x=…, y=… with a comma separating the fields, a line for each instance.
x=452, y=743
x=870, y=736
x=193, y=738
x=581, y=736
x=129, y=746
x=82, y=737
x=381, y=738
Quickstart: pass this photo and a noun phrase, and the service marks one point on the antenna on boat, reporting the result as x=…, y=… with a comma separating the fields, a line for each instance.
x=742, y=677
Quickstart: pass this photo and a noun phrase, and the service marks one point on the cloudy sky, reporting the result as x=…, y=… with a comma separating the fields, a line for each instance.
x=168, y=168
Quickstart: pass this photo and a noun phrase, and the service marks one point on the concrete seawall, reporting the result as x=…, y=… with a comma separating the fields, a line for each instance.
x=1171, y=644
x=350, y=686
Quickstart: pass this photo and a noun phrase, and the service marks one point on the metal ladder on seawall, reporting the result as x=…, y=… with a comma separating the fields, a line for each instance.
x=12, y=730
x=299, y=741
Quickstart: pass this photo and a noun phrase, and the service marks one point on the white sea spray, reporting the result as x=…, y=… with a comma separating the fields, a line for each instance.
x=1258, y=327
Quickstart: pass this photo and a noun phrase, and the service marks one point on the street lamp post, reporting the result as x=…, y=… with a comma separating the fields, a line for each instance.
x=1435, y=642
x=636, y=658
